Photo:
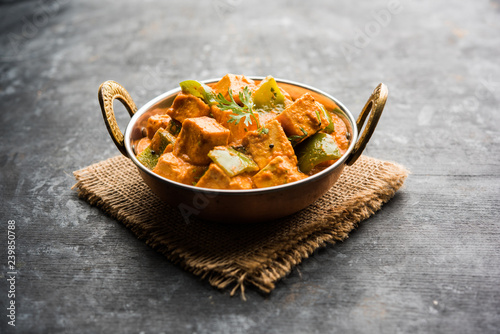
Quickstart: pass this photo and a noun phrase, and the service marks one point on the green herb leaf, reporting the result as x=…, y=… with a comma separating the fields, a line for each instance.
x=263, y=131
x=318, y=116
x=245, y=112
x=295, y=139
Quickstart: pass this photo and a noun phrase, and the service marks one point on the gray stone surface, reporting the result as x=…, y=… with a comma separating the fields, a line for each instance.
x=429, y=261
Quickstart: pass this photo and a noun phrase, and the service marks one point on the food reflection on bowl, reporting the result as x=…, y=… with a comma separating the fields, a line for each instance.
x=240, y=149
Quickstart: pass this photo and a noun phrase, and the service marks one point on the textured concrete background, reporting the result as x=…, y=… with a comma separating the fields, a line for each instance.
x=429, y=261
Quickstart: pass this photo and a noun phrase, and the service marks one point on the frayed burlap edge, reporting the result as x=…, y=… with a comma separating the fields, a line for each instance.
x=275, y=262
x=330, y=229
x=268, y=264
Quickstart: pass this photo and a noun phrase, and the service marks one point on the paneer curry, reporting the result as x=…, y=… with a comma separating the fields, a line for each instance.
x=239, y=134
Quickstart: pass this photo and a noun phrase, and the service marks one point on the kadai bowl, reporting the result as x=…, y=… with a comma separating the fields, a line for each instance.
x=240, y=149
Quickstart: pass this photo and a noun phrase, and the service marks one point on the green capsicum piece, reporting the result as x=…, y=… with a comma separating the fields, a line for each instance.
x=331, y=126
x=231, y=161
x=149, y=157
x=316, y=149
x=161, y=139
x=198, y=89
x=268, y=95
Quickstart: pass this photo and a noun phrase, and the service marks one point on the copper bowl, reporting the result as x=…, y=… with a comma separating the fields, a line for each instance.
x=239, y=206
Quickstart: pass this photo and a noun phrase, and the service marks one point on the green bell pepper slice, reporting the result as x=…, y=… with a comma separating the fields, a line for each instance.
x=149, y=157
x=331, y=125
x=198, y=89
x=316, y=149
x=231, y=161
x=161, y=139
x=268, y=95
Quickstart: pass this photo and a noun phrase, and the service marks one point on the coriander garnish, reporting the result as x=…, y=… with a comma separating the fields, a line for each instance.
x=295, y=139
x=245, y=112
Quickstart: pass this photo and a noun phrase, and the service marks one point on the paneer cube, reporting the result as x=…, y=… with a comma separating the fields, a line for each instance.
x=238, y=131
x=162, y=121
x=234, y=82
x=161, y=139
x=264, y=147
x=141, y=145
x=242, y=181
x=198, y=137
x=176, y=169
x=188, y=106
x=280, y=170
x=303, y=118
x=216, y=178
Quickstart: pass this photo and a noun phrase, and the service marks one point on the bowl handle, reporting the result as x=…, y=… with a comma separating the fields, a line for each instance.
x=108, y=91
x=374, y=106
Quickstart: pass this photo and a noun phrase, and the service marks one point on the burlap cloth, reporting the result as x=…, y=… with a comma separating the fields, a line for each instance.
x=239, y=255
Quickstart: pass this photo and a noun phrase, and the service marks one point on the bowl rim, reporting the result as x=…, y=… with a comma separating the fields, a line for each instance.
x=146, y=107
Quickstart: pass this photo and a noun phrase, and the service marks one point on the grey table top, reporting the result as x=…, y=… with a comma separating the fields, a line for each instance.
x=429, y=261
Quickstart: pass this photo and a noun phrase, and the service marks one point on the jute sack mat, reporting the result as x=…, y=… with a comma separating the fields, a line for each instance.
x=239, y=255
